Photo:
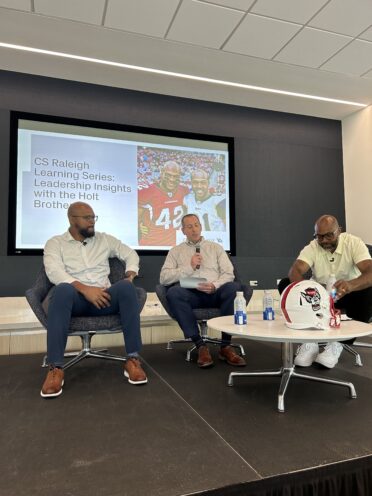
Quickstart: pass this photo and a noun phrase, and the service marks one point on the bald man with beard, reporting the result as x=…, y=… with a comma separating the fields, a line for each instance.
x=348, y=258
x=76, y=262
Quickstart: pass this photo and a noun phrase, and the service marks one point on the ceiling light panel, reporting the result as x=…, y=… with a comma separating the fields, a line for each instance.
x=260, y=36
x=312, y=47
x=354, y=59
x=348, y=17
x=203, y=24
x=88, y=11
x=141, y=16
x=289, y=10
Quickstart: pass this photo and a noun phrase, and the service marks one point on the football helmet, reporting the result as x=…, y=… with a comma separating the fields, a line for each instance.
x=307, y=305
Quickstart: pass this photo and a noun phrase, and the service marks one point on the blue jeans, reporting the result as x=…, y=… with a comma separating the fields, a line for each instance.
x=66, y=301
x=182, y=301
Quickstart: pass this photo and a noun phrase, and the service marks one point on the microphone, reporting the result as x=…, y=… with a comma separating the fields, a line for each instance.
x=84, y=243
x=197, y=250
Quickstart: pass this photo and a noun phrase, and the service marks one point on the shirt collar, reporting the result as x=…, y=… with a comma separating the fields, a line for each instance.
x=190, y=243
x=340, y=245
x=68, y=237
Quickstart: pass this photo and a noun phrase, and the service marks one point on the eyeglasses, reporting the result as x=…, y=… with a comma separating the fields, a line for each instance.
x=328, y=236
x=94, y=218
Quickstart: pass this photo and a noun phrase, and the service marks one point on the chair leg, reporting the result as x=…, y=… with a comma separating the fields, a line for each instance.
x=78, y=358
x=188, y=354
x=106, y=356
x=86, y=352
x=177, y=341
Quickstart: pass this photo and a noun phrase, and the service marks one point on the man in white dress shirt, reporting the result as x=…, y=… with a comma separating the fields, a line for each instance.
x=199, y=257
x=76, y=262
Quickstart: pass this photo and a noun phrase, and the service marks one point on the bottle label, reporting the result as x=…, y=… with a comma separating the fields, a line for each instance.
x=333, y=293
x=268, y=314
x=240, y=317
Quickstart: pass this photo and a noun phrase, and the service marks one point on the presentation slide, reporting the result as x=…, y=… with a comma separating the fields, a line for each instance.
x=139, y=185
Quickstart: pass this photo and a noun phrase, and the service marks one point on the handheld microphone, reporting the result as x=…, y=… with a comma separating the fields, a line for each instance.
x=197, y=250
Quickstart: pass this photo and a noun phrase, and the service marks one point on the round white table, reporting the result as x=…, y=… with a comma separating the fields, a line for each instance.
x=277, y=331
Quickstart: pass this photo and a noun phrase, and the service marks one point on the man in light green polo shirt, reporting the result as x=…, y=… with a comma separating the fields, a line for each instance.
x=347, y=258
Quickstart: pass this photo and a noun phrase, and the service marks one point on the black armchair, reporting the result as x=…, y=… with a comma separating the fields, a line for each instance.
x=361, y=344
x=84, y=327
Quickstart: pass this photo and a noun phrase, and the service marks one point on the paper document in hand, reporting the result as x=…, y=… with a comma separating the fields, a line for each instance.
x=191, y=282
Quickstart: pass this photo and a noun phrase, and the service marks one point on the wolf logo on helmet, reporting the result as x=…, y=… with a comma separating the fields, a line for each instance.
x=312, y=296
x=307, y=305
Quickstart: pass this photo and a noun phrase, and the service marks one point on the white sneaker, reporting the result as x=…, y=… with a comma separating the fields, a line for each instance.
x=329, y=357
x=306, y=354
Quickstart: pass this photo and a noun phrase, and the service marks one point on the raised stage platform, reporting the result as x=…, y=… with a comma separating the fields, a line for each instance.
x=186, y=432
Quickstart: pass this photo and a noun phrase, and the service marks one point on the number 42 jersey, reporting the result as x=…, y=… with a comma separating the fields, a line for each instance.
x=162, y=215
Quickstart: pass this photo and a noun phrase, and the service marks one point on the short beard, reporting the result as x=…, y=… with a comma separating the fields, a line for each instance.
x=87, y=234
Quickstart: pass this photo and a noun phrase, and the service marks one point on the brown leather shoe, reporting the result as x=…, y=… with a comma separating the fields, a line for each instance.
x=229, y=355
x=204, y=357
x=53, y=383
x=134, y=371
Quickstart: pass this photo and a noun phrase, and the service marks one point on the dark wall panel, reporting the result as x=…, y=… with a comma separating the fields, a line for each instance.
x=288, y=168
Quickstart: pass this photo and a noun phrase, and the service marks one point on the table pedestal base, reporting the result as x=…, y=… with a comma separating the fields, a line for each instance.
x=286, y=372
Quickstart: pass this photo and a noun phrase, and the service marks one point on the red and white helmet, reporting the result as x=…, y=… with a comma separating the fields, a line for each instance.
x=307, y=305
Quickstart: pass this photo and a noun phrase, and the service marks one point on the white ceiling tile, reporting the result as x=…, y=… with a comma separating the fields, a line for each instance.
x=354, y=59
x=288, y=10
x=260, y=36
x=141, y=16
x=312, y=47
x=367, y=35
x=344, y=16
x=89, y=11
x=16, y=4
x=233, y=4
x=203, y=24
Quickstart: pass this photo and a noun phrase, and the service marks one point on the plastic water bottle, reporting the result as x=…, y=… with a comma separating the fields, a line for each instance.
x=240, y=309
x=331, y=290
x=268, y=306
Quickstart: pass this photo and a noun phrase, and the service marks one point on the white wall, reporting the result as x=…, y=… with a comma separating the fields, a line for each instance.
x=357, y=157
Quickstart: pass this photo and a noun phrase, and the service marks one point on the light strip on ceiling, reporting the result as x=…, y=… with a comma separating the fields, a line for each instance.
x=179, y=75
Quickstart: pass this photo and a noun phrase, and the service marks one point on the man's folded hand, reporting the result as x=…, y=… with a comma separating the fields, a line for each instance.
x=98, y=296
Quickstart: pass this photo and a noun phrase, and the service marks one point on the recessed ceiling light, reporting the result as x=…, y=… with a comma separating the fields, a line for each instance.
x=180, y=75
